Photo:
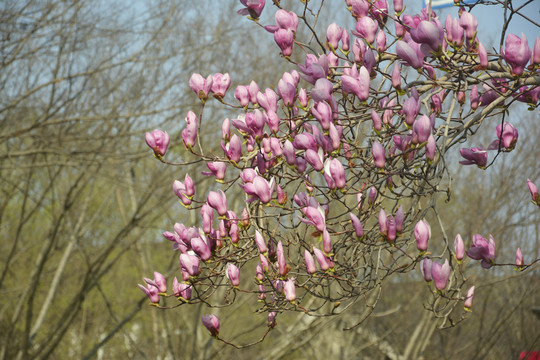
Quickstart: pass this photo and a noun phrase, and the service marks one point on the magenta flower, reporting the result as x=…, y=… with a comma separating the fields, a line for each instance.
x=217, y=168
x=233, y=149
x=252, y=8
x=431, y=146
x=185, y=190
x=315, y=158
x=303, y=141
x=314, y=68
x=469, y=298
x=322, y=91
x=211, y=322
x=233, y=274
x=469, y=23
x=459, y=247
x=422, y=233
x=337, y=172
x=396, y=76
x=383, y=222
x=357, y=84
x=287, y=91
x=285, y=40
x=483, y=250
x=366, y=29
x=323, y=113
x=474, y=156
x=290, y=290
x=379, y=157
x=474, y=97
x=534, y=192
x=410, y=53
x=190, y=264
x=268, y=100
x=158, y=141
x=357, y=225
x=333, y=36
x=426, y=269
x=189, y=134
x=159, y=282
x=516, y=53
x=260, y=188
x=218, y=201
x=282, y=263
x=482, y=54
x=261, y=244
x=323, y=261
x=535, y=59
x=506, y=138
x=430, y=35
x=519, y=258
x=201, y=248
x=220, y=84
x=310, y=262
x=440, y=274
x=201, y=86
x=454, y=32
x=152, y=293
x=398, y=6
x=400, y=217
x=286, y=20
x=315, y=217
x=242, y=94
x=421, y=130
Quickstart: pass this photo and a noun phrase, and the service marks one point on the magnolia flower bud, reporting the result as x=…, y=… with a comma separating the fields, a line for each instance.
x=211, y=322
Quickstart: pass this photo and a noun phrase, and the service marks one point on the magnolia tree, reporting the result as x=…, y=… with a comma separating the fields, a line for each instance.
x=341, y=162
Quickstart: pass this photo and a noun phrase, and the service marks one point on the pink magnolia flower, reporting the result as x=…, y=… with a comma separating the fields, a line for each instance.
x=440, y=274
x=506, y=139
x=322, y=91
x=252, y=8
x=459, y=247
x=426, y=269
x=323, y=261
x=422, y=233
x=233, y=149
x=474, y=156
x=400, y=217
x=431, y=146
x=482, y=54
x=519, y=258
x=190, y=263
x=469, y=23
x=366, y=29
x=333, y=36
x=233, y=274
x=315, y=217
x=314, y=68
x=285, y=40
x=261, y=244
x=211, y=322
x=290, y=290
x=357, y=225
x=469, y=298
x=356, y=83
x=242, y=94
x=159, y=282
x=534, y=192
x=421, y=130
x=483, y=250
x=535, y=59
x=158, y=141
x=310, y=262
x=379, y=157
x=260, y=188
x=217, y=168
x=282, y=263
x=152, y=293
x=454, y=32
x=218, y=201
x=268, y=100
x=201, y=248
x=189, y=134
x=410, y=53
x=220, y=84
x=516, y=53
x=201, y=86
x=430, y=35
x=184, y=190
x=323, y=113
